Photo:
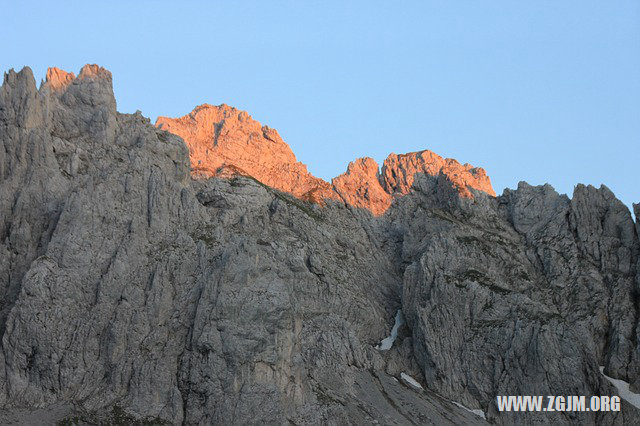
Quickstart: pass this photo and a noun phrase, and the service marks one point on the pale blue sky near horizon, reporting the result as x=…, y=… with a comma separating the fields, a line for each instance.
x=540, y=91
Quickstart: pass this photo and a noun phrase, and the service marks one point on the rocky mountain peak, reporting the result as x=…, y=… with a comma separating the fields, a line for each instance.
x=360, y=186
x=398, y=173
x=59, y=79
x=224, y=142
x=95, y=71
x=85, y=103
x=12, y=80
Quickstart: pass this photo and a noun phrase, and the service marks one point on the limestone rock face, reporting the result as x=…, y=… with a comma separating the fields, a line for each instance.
x=360, y=186
x=399, y=171
x=83, y=202
x=130, y=291
x=226, y=142
x=512, y=296
x=365, y=186
x=135, y=285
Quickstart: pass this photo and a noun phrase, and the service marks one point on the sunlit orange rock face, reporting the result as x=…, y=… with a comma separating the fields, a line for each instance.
x=360, y=186
x=225, y=142
x=398, y=173
x=364, y=185
x=58, y=79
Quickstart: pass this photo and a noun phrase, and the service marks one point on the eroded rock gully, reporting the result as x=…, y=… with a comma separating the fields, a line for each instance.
x=208, y=278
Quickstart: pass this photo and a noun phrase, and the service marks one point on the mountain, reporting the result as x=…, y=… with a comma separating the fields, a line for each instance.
x=226, y=142
x=196, y=273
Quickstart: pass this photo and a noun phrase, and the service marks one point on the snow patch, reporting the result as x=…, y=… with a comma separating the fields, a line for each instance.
x=410, y=380
x=387, y=342
x=477, y=412
x=623, y=389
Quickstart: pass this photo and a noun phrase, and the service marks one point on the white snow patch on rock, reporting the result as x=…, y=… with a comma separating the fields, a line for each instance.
x=387, y=342
x=623, y=389
x=410, y=380
x=477, y=412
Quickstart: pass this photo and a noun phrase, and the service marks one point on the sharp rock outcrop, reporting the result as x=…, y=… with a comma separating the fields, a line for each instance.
x=226, y=142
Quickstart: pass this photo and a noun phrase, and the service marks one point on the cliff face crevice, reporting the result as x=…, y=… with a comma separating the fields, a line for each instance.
x=137, y=282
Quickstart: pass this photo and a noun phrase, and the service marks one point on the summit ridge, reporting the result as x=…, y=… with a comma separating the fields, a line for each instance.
x=224, y=141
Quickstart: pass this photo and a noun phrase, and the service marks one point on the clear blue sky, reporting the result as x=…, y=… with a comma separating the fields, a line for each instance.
x=542, y=91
